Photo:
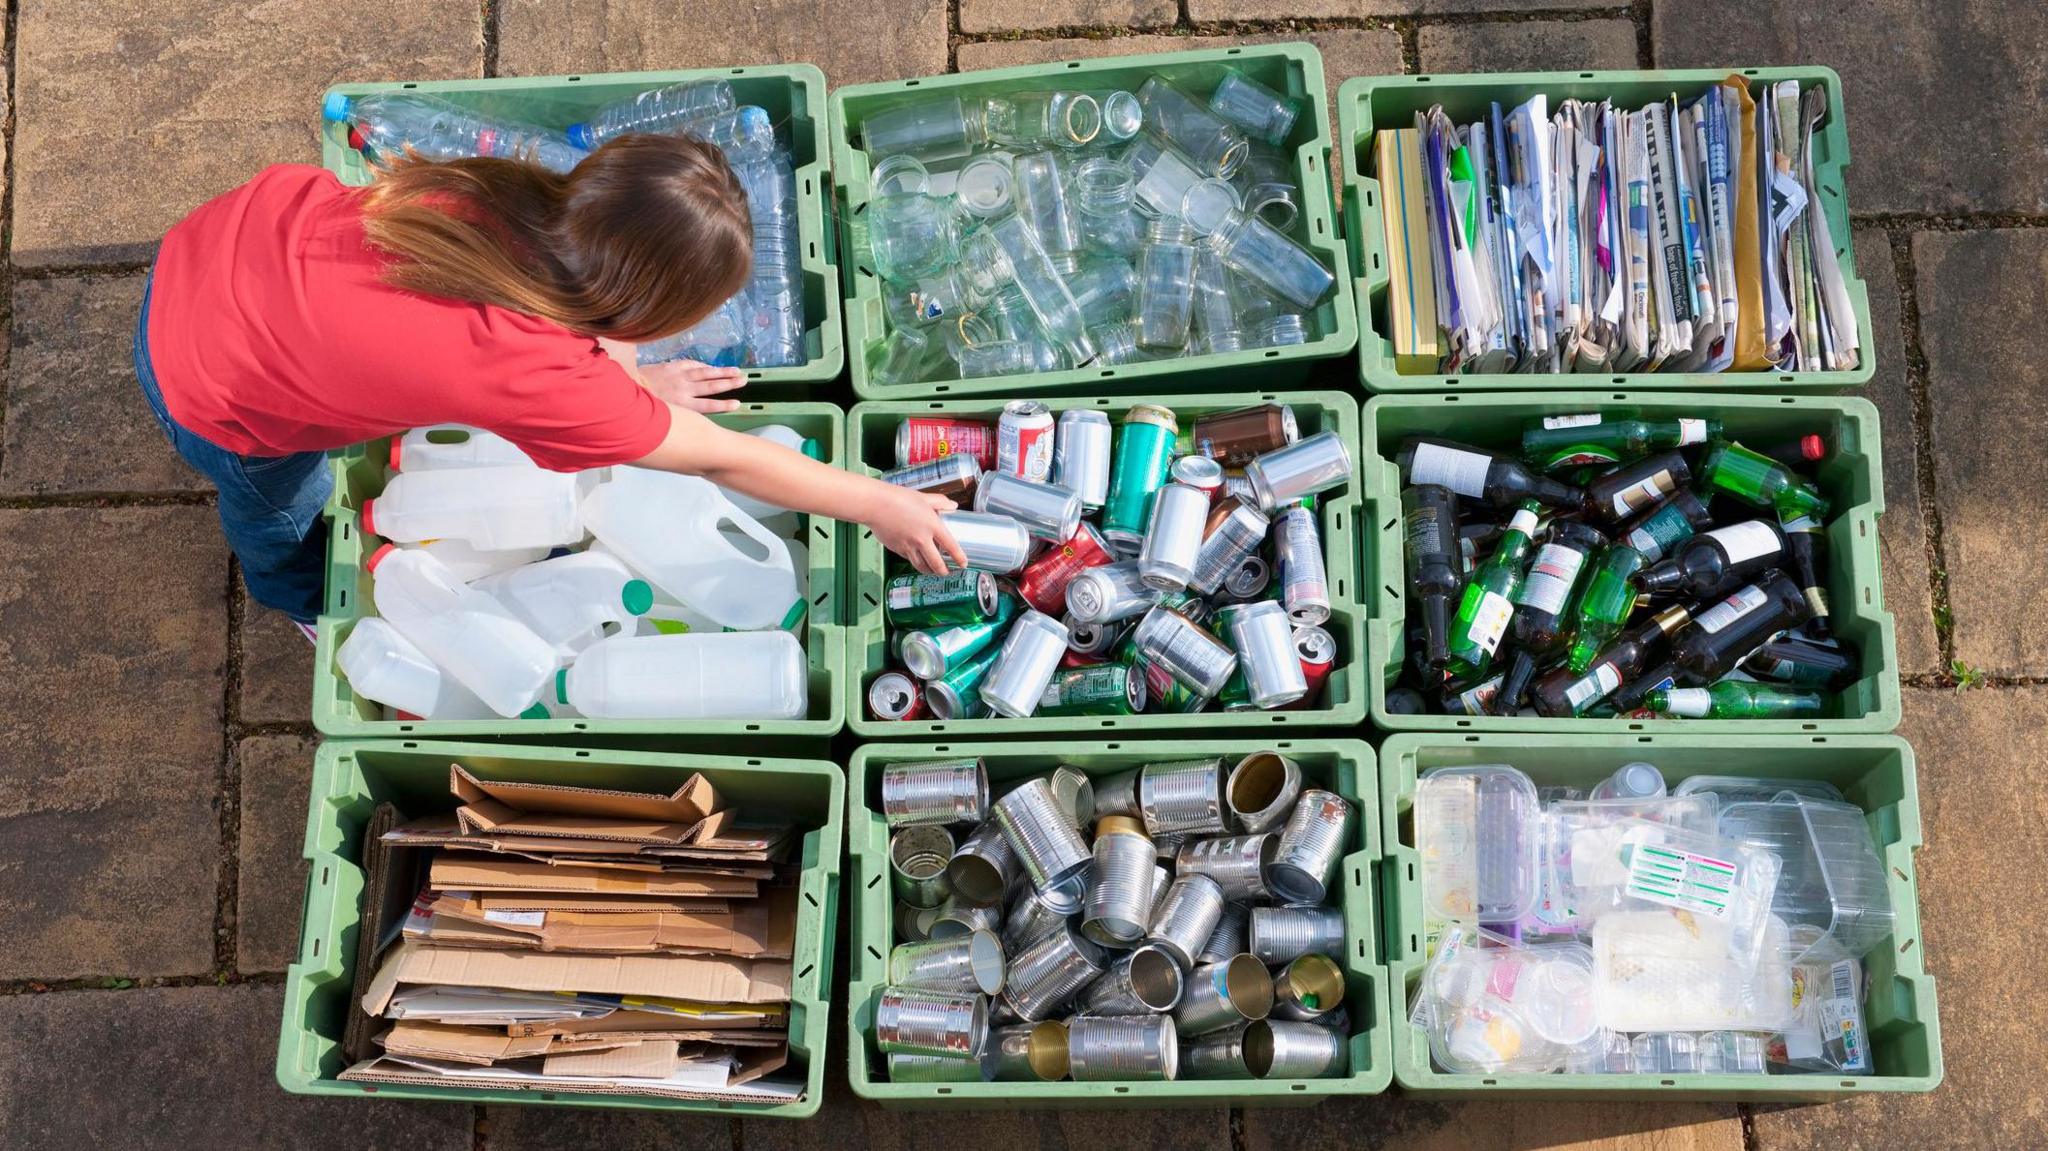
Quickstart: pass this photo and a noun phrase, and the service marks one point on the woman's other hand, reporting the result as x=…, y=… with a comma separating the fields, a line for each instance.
x=689, y=384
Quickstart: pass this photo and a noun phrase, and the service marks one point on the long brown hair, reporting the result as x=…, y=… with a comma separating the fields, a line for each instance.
x=643, y=239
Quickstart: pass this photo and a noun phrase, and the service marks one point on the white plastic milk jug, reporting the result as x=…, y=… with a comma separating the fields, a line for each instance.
x=488, y=508
x=385, y=667
x=667, y=528
x=467, y=633
x=698, y=675
x=569, y=600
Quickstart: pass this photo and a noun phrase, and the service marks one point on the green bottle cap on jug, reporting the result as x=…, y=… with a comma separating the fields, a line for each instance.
x=562, y=685
x=637, y=596
x=539, y=710
x=814, y=449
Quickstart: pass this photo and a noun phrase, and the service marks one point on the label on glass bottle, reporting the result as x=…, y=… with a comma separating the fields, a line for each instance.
x=1665, y=527
x=1523, y=521
x=1551, y=577
x=1688, y=702
x=1490, y=622
x=1553, y=423
x=1731, y=609
x=1746, y=541
x=1478, y=700
x=1593, y=685
x=1637, y=496
x=1461, y=471
x=1692, y=432
x=1426, y=532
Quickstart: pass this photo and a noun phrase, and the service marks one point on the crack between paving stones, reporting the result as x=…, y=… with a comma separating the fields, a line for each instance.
x=203, y=499
x=1639, y=14
x=228, y=787
x=138, y=983
x=1238, y=1140
x=953, y=35
x=1934, y=536
x=7, y=222
x=737, y=1129
x=1750, y=1140
x=114, y=269
x=488, y=13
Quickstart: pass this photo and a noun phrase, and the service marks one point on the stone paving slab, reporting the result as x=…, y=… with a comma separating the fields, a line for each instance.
x=854, y=42
x=189, y=1067
x=277, y=667
x=129, y=115
x=1327, y=9
x=578, y=1128
x=270, y=886
x=76, y=420
x=113, y=636
x=1528, y=46
x=1033, y=15
x=1981, y=296
x=1398, y=1123
x=1944, y=96
x=847, y=1122
x=1982, y=809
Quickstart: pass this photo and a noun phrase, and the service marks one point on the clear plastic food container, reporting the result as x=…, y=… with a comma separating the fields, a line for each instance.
x=1831, y=878
x=1477, y=831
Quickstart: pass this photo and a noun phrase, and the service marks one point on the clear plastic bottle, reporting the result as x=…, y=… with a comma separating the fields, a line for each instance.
x=743, y=134
x=719, y=339
x=1254, y=249
x=694, y=675
x=1166, y=284
x=384, y=667
x=933, y=128
x=571, y=601
x=387, y=123
x=1103, y=194
x=489, y=508
x=1259, y=111
x=1215, y=145
x=454, y=446
x=1042, y=201
x=775, y=336
x=468, y=634
x=668, y=527
x=663, y=109
x=1215, y=309
x=1062, y=119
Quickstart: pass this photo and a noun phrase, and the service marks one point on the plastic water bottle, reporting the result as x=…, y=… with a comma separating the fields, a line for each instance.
x=385, y=667
x=775, y=336
x=667, y=527
x=466, y=633
x=387, y=123
x=720, y=675
x=743, y=134
x=471, y=563
x=571, y=601
x=719, y=339
x=454, y=446
x=661, y=109
x=490, y=508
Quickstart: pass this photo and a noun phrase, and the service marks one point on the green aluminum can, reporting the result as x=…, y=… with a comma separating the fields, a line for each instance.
x=1099, y=689
x=957, y=694
x=928, y=601
x=1142, y=459
x=932, y=653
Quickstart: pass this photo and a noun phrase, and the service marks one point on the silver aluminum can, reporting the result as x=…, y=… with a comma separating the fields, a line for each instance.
x=1235, y=531
x=1129, y=1048
x=893, y=695
x=1250, y=579
x=917, y=864
x=1184, y=795
x=1046, y=976
x=1117, y=909
x=1173, y=537
x=1032, y=650
x=1109, y=593
x=1226, y=994
x=908, y=1068
x=1142, y=982
x=957, y=472
x=1310, y=847
x=1302, y=468
x=1304, y=580
x=1185, y=650
x=1025, y=439
x=1080, y=455
x=1200, y=473
x=964, y=965
x=1030, y=919
x=1091, y=638
x=1055, y=857
x=1075, y=791
x=934, y=791
x=931, y=1023
x=1229, y=938
x=1118, y=794
x=1280, y=935
x=1236, y=862
x=958, y=917
x=983, y=867
x=1049, y=512
x=1265, y=650
x=914, y=924
x=1029, y=1052
x=1262, y=790
x=1194, y=905
x=1287, y=1049
x=1236, y=483
x=991, y=543
x=1308, y=988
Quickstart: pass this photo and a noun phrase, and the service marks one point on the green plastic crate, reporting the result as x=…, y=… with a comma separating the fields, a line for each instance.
x=792, y=94
x=1370, y=103
x=1344, y=766
x=359, y=474
x=870, y=450
x=1852, y=478
x=351, y=778
x=1294, y=69
x=1875, y=772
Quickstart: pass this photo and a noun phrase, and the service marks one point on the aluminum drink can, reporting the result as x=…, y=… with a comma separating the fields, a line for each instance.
x=1166, y=561
x=1049, y=512
x=1031, y=653
x=1103, y=689
x=1093, y=640
x=932, y=653
x=1250, y=580
x=1080, y=455
x=922, y=439
x=1138, y=468
x=1186, y=651
x=991, y=543
x=1317, y=651
x=1304, y=580
x=954, y=477
x=1109, y=593
x=1043, y=584
x=957, y=694
x=1234, y=439
x=1316, y=464
x=1236, y=483
x=895, y=696
x=1264, y=642
x=1024, y=441
x=1232, y=534
x=925, y=601
x=1200, y=473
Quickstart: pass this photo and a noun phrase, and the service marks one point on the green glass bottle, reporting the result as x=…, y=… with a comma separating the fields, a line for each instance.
x=1603, y=608
x=1760, y=481
x=1735, y=699
x=1556, y=443
x=1489, y=600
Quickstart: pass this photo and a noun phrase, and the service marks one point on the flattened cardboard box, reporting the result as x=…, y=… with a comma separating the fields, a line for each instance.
x=764, y=928
x=517, y=808
x=706, y=979
x=454, y=874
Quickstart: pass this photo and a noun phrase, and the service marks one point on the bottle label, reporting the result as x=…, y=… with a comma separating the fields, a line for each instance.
x=1841, y=1017
x=1587, y=419
x=1490, y=622
x=1817, y=602
x=1524, y=521
x=1638, y=496
x=1551, y=578
x=1592, y=686
x=1479, y=700
x=1688, y=702
x=1731, y=609
x=1461, y=471
x=1683, y=879
x=1692, y=432
x=1665, y=527
x=1746, y=541
x=1426, y=532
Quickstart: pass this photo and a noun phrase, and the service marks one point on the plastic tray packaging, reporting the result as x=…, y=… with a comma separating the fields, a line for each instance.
x=1741, y=789
x=1832, y=878
x=1477, y=830
x=1667, y=969
x=1491, y=1005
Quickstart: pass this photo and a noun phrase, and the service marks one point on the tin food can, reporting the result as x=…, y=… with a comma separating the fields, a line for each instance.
x=1144, y=981
x=918, y=1022
x=954, y=477
x=1046, y=976
x=1030, y=1052
x=1024, y=441
x=1118, y=906
x=1049, y=512
x=1112, y=1048
x=964, y=964
x=917, y=864
x=1138, y=469
x=895, y=696
x=1080, y=455
x=1310, y=847
x=937, y=791
x=1043, y=583
x=1226, y=994
x=1262, y=790
x=982, y=866
x=922, y=439
x=1236, y=862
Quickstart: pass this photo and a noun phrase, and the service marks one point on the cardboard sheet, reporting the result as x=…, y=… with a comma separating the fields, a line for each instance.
x=455, y=873
x=709, y=979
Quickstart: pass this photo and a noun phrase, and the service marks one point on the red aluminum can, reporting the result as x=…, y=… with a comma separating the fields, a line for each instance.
x=1202, y=474
x=1043, y=584
x=1318, y=652
x=1080, y=659
x=922, y=439
x=896, y=696
x=1024, y=440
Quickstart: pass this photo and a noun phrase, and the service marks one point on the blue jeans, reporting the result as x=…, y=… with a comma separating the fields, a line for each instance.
x=269, y=505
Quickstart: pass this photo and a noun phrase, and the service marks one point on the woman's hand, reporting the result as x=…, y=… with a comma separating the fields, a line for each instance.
x=688, y=384
x=907, y=522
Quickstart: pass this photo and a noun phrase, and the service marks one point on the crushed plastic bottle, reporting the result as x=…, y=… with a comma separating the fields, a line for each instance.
x=385, y=124
x=657, y=110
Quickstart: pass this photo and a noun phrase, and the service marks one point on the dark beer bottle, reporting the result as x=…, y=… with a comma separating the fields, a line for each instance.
x=1559, y=693
x=1539, y=625
x=1429, y=524
x=1639, y=486
x=1702, y=563
x=1723, y=633
x=1806, y=541
x=1480, y=475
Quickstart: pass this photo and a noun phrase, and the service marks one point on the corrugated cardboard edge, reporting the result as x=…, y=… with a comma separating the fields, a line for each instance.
x=650, y=1059
x=709, y=979
x=688, y=804
x=378, y=1071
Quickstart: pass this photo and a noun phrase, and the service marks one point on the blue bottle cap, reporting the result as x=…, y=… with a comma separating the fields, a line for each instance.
x=336, y=107
x=579, y=135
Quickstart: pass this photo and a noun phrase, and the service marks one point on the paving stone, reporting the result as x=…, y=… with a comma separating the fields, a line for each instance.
x=1403, y=1123
x=1528, y=46
x=277, y=667
x=1902, y=530
x=182, y=1067
x=1033, y=15
x=845, y=1121
x=76, y=419
x=1200, y=10
x=129, y=115
x=556, y=1128
x=113, y=636
x=1981, y=807
x=854, y=43
x=277, y=775
x=1944, y=96
x=1980, y=296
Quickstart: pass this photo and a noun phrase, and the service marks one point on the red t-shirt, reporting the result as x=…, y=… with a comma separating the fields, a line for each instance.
x=271, y=331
